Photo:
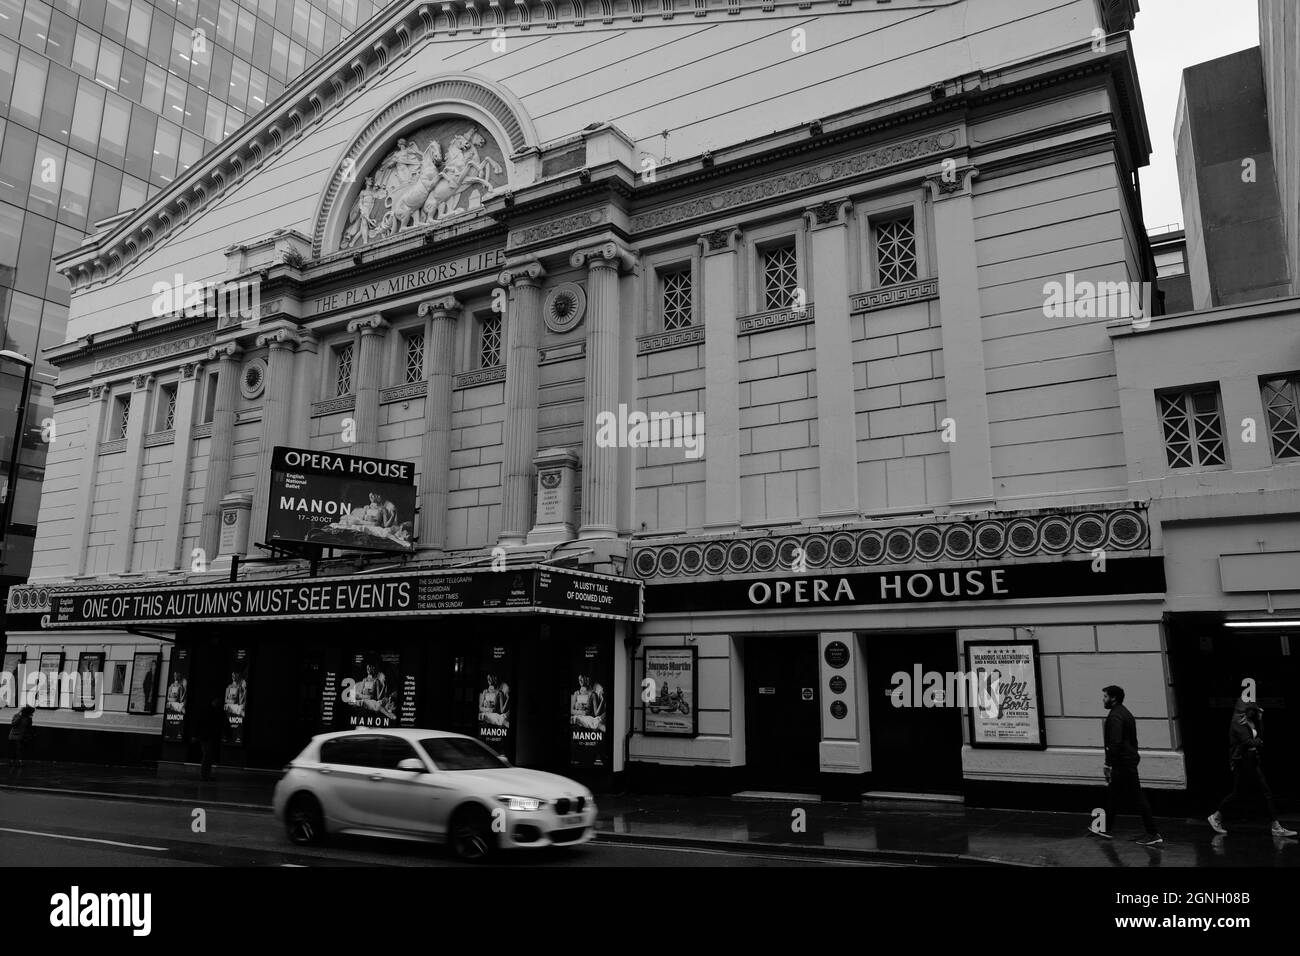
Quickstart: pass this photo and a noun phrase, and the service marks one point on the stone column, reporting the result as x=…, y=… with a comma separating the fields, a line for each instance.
x=128, y=504
x=275, y=423
x=523, y=331
x=169, y=555
x=221, y=447
x=305, y=372
x=600, y=464
x=79, y=537
x=970, y=454
x=837, y=435
x=722, y=387
x=369, y=372
x=441, y=316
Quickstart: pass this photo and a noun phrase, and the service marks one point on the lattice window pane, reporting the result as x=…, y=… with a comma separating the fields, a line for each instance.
x=490, y=342
x=169, y=412
x=896, y=251
x=414, y=358
x=1193, y=428
x=780, y=277
x=343, y=370
x=1282, y=407
x=677, y=299
x=123, y=416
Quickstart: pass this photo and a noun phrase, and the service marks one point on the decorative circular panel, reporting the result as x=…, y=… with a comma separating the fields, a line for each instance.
x=564, y=307
x=253, y=382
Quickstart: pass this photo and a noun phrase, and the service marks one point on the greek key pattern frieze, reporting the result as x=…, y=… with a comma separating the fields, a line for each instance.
x=403, y=393
x=893, y=295
x=332, y=405
x=482, y=376
x=992, y=538
x=663, y=341
x=778, y=319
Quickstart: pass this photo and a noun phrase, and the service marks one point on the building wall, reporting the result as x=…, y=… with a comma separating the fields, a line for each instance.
x=1279, y=38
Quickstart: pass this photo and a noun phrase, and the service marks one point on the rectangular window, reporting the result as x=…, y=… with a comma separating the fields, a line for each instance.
x=118, y=684
x=121, y=419
x=112, y=133
x=16, y=163
x=85, y=54
x=166, y=408
x=780, y=277
x=1282, y=407
x=131, y=83
x=62, y=38
x=109, y=70
x=116, y=19
x=414, y=358
x=489, y=341
x=104, y=193
x=895, y=245
x=210, y=399
x=60, y=97
x=78, y=173
x=676, y=298
x=1193, y=428
x=29, y=90
x=343, y=370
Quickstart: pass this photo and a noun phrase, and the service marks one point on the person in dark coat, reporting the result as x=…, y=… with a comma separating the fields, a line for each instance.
x=1245, y=746
x=21, y=732
x=208, y=723
x=1123, y=787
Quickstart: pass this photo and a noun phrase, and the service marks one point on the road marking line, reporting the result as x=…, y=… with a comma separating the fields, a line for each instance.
x=62, y=836
x=829, y=861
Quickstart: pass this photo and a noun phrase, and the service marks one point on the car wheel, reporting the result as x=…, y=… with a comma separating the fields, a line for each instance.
x=304, y=821
x=471, y=837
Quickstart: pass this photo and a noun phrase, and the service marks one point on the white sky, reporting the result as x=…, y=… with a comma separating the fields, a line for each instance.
x=1168, y=36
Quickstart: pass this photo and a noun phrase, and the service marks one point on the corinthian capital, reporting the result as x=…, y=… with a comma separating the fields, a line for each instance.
x=953, y=181
x=369, y=325
x=446, y=307
x=226, y=352
x=522, y=273
x=611, y=254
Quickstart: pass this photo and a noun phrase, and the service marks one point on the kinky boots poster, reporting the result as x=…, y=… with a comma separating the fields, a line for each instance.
x=590, y=734
x=495, y=710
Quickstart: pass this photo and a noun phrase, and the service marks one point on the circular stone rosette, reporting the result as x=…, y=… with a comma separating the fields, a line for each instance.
x=252, y=382
x=564, y=307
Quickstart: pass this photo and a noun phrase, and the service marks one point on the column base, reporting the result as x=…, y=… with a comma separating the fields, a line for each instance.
x=597, y=531
x=513, y=539
x=550, y=534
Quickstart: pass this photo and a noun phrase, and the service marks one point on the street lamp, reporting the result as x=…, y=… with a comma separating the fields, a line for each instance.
x=20, y=426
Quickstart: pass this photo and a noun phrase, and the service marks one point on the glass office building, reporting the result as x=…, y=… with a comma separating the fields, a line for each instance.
x=102, y=104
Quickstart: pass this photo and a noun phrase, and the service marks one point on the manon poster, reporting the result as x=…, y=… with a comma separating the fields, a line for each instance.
x=234, y=704
x=590, y=737
x=495, y=700
x=378, y=693
x=178, y=692
x=1007, y=711
x=669, y=698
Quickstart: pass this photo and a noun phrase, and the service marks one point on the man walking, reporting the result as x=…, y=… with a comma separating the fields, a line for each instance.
x=1244, y=746
x=1119, y=731
x=20, y=733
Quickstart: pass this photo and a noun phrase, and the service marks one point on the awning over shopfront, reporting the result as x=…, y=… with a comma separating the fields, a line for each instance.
x=530, y=589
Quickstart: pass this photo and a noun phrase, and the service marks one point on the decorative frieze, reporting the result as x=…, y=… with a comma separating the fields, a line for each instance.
x=482, y=376
x=403, y=393
x=202, y=431
x=154, y=352
x=776, y=319
x=553, y=228
x=663, y=341
x=113, y=447
x=1027, y=535
x=918, y=291
x=332, y=406
x=813, y=177
x=160, y=438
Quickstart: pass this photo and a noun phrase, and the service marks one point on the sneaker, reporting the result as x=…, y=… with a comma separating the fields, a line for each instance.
x=1152, y=839
x=1216, y=822
x=1100, y=833
x=1281, y=831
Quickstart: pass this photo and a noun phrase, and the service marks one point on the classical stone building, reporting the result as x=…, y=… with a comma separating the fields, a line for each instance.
x=528, y=250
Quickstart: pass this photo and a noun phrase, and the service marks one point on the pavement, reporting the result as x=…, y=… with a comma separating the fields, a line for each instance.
x=900, y=832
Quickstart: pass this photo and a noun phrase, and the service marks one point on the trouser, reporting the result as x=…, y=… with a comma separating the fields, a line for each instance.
x=209, y=749
x=1125, y=790
x=1245, y=774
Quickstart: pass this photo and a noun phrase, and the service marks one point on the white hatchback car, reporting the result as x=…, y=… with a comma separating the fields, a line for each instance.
x=428, y=785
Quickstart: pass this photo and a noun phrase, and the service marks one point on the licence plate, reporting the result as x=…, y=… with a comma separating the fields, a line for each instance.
x=573, y=820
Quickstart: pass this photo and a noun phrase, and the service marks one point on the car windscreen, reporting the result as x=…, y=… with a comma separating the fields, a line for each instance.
x=459, y=753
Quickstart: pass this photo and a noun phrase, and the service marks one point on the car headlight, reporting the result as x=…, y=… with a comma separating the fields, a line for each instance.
x=524, y=804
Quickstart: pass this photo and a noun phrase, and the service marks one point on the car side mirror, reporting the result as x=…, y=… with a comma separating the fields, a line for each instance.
x=503, y=760
x=412, y=764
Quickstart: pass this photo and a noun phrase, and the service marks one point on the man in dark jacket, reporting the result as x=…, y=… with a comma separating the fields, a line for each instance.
x=1119, y=731
x=1244, y=747
x=20, y=734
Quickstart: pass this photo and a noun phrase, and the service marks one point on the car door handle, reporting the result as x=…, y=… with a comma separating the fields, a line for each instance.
x=375, y=776
x=324, y=770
